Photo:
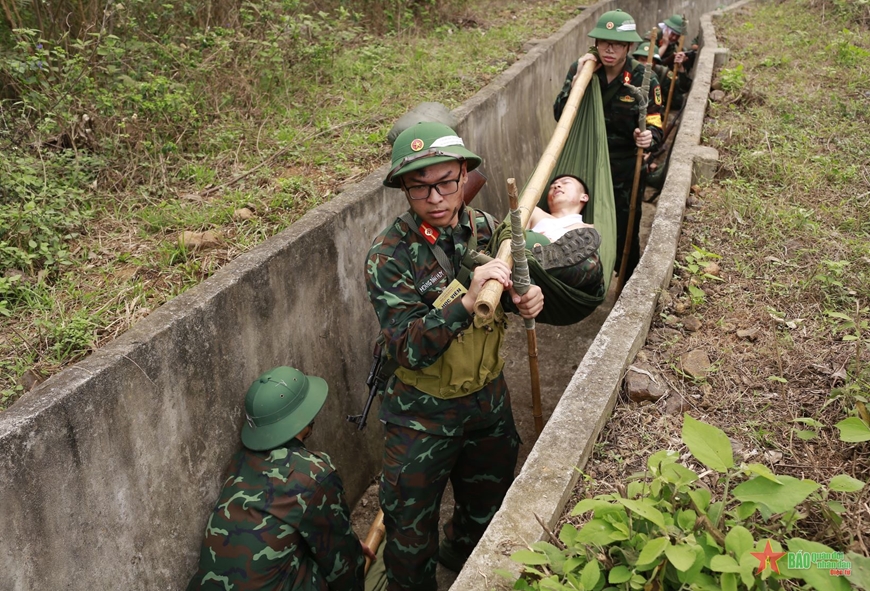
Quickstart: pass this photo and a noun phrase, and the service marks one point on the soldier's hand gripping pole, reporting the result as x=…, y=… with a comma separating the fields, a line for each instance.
x=676, y=70
x=522, y=282
x=642, y=97
x=487, y=299
x=374, y=383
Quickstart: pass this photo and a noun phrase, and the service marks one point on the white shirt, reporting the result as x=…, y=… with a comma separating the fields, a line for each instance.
x=555, y=228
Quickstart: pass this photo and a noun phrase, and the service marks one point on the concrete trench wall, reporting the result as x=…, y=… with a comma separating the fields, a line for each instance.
x=108, y=469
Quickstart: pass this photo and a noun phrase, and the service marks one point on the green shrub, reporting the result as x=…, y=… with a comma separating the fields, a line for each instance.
x=666, y=530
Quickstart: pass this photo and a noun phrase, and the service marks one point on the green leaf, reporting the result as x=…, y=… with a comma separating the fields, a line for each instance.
x=853, y=430
x=686, y=519
x=600, y=533
x=709, y=445
x=682, y=556
x=805, y=435
x=619, y=574
x=588, y=505
x=845, y=483
x=660, y=458
x=529, y=557
x=779, y=498
x=818, y=578
x=701, y=498
x=591, y=575
x=860, y=576
x=761, y=470
x=724, y=564
x=678, y=475
x=573, y=563
x=568, y=534
x=748, y=566
x=810, y=422
x=652, y=550
x=729, y=582
x=646, y=511
x=739, y=540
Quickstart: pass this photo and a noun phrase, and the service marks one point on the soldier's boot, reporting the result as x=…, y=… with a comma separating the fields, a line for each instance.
x=449, y=557
x=572, y=248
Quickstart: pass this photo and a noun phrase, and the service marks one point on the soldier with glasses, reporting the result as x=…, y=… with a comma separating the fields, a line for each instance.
x=447, y=412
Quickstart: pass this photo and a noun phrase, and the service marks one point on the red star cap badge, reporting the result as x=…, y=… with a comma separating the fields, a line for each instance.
x=417, y=145
x=767, y=558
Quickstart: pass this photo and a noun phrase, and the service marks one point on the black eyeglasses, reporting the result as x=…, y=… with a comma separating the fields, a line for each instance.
x=418, y=192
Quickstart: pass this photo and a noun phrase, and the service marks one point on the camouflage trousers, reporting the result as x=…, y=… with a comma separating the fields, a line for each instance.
x=417, y=465
x=622, y=172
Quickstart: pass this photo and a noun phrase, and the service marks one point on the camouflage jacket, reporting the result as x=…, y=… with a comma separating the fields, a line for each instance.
x=281, y=523
x=404, y=279
x=621, y=110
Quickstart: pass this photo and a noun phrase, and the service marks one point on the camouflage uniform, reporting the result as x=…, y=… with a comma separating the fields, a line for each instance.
x=470, y=440
x=281, y=523
x=620, y=120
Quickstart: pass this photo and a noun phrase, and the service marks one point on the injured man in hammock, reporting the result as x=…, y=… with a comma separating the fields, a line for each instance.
x=561, y=242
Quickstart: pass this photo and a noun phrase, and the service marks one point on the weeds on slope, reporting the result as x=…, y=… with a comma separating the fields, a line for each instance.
x=122, y=131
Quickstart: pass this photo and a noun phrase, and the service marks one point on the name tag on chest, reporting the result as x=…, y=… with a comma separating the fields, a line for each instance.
x=452, y=291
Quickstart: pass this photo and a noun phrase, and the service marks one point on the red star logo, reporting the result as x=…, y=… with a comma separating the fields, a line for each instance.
x=767, y=558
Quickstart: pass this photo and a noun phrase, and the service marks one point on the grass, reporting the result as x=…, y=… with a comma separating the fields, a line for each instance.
x=787, y=215
x=184, y=129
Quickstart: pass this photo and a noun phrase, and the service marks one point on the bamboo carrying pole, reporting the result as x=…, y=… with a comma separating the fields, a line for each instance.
x=522, y=281
x=676, y=74
x=491, y=292
x=638, y=168
x=375, y=536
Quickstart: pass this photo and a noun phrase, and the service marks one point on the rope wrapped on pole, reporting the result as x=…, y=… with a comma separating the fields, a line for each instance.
x=522, y=282
x=490, y=294
x=642, y=96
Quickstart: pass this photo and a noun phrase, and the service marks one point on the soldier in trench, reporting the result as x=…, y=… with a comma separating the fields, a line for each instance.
x=281, y=522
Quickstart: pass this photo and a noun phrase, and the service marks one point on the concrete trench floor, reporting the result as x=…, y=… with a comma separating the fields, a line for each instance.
x=560, y=350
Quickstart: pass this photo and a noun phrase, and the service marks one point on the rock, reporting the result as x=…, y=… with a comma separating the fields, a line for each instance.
x=242, y=214
x=198, y=240
x=692, y=201
x=29, y=380
x=696, y=189
x=695, y=363
x=680, y=308
x=640, y=384
x=717, y=84
x=676, y=404
x=712, y=268
x=665, y=301
x=692, y=324
x=717, y=96
x=671, y=320
x=750, y=334
x=727, y=327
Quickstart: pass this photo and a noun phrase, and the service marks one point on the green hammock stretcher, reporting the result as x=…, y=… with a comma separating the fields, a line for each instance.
x=585, y=155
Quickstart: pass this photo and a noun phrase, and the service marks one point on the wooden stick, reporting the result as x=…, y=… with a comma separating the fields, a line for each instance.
x=375, y=536
x=635, y=185
x=676, y=74
x=487, y=300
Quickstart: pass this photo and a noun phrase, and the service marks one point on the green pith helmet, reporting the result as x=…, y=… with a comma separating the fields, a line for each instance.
x=675, y=23
x=425, y=144
x=643, y=50
x=279, y=405
x=616, y=25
